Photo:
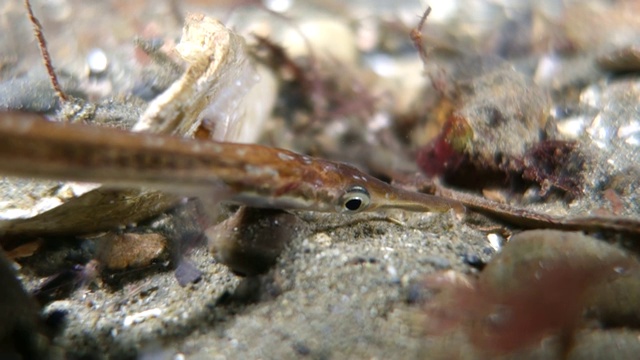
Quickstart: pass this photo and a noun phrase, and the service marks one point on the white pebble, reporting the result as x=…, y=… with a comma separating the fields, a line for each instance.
x=97, y=61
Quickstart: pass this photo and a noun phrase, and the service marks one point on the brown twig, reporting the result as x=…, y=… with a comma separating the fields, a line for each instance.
x=46, y=58
x=416, y=36
x=438, y=80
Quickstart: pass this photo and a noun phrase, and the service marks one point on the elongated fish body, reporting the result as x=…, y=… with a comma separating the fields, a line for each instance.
x=255, y=175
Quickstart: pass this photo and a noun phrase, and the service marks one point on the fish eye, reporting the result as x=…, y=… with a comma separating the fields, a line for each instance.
x=355, y=199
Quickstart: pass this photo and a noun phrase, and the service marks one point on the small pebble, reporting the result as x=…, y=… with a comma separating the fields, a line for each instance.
x=626, y=59
x=97, y=61
x=279, y=6
x=250, y=241
x=122, y=251
x=495, y=241
x=187, y=273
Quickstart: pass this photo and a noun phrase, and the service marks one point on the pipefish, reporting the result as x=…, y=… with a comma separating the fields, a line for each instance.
x=254, y=175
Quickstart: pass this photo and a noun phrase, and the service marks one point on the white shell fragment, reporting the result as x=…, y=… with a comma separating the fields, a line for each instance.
x=211, y=91
x=141, y=316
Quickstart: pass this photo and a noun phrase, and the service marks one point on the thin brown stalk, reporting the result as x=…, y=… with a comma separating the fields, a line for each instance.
x=416, y=36
x=46, y=58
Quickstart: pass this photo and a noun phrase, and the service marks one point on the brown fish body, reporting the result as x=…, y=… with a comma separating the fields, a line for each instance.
x=254, y=175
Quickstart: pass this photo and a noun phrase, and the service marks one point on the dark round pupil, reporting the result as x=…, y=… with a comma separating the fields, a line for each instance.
x=353, y=204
